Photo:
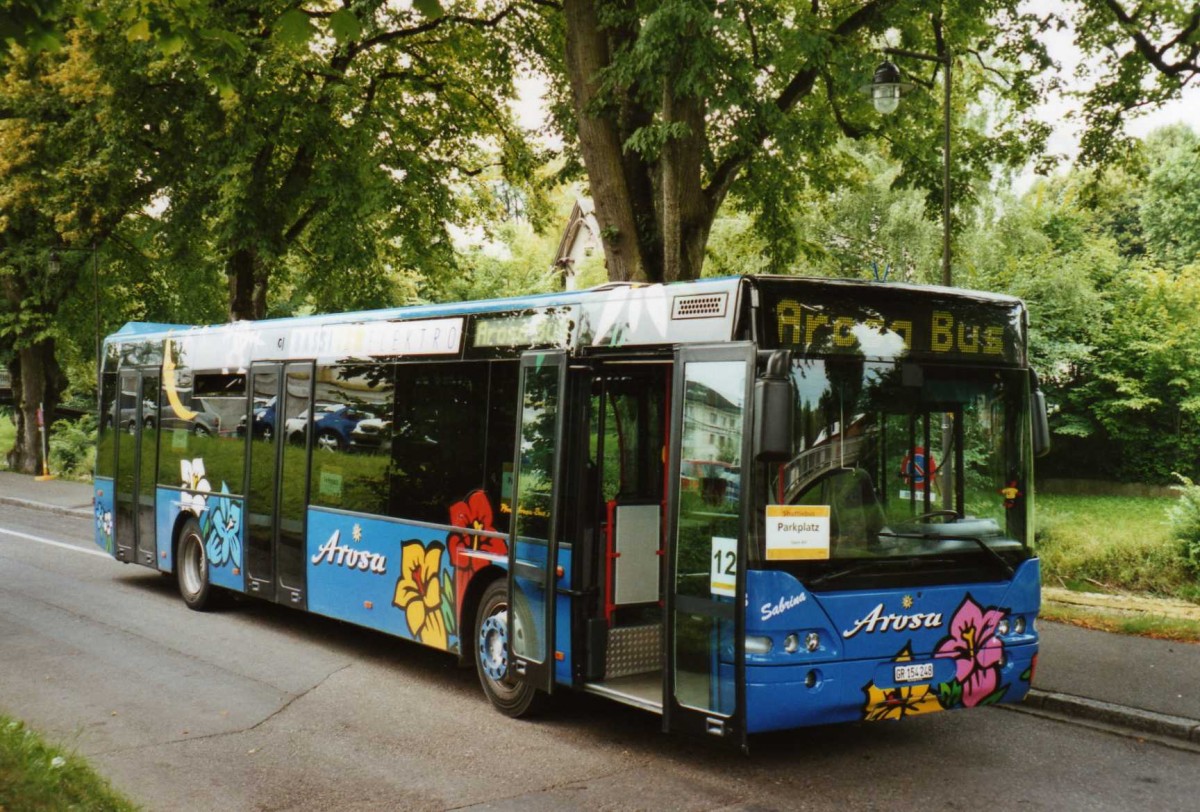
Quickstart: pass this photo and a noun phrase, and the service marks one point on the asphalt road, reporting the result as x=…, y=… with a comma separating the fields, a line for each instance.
x=259, y=707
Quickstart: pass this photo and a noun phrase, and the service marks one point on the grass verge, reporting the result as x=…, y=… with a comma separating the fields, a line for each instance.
x=1160, y=628
x=36, y=776
x=1112, y=543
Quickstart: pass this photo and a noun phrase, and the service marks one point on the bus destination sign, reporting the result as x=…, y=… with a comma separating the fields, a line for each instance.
x=550, y=327
x=941, y=327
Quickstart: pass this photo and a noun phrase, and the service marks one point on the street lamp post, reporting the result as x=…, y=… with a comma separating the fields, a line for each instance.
x=886, y=89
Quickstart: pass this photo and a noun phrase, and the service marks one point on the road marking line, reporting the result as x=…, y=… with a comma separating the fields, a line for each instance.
x=53, y=543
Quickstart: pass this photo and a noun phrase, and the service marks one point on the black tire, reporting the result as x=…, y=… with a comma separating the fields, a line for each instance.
x=490, y=644
x=191, y=569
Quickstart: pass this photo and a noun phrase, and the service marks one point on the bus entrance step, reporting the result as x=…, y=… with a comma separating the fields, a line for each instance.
x=633, y=650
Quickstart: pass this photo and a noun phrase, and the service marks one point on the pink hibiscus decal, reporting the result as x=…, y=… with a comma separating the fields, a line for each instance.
x=975, y=649
x=473, y=513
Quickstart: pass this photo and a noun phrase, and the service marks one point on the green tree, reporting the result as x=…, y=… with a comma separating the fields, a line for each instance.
x=338, y=139
x=1169, y=213
x=80, y=140
x=675, y=105
x=1138, y=56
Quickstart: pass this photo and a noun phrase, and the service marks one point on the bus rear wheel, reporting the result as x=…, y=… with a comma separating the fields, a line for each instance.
x=510, y=697
x=191, y=568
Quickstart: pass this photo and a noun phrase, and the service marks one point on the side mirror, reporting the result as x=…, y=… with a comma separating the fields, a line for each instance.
x=1041, y=421
x=774, y=399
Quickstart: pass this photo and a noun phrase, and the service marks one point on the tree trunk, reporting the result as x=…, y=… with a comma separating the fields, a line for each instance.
x=685, y=214
x=37, y=380
x=247, y=293
x=602, y=146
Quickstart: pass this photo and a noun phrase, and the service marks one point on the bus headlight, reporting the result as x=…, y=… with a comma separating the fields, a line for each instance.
x=812, y=641
x=1002, y=627
x=758, y=645
x=1019, y=624
x=791, y=643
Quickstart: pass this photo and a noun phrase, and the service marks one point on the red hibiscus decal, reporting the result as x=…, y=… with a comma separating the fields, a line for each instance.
x=472, y=514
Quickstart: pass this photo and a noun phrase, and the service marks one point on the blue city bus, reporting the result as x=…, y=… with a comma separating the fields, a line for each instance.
x=697, y=499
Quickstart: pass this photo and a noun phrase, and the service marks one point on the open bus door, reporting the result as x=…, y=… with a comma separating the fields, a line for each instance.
x=533, y=539
x=705, y=614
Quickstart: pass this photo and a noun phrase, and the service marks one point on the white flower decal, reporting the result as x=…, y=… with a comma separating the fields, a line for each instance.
x=192, y=474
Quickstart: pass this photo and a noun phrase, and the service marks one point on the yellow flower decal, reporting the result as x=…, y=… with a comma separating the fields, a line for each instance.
x=419, y=592
x=900, y=701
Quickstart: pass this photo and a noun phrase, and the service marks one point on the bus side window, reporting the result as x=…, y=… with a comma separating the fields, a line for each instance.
x=351, y=429
x=438, y=439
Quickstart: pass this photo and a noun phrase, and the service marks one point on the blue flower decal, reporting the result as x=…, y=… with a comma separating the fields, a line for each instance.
x=222, y=531
x=104, y=524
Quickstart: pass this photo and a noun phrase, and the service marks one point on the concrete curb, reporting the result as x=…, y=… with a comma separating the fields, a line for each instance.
x=59, y=509
x=1134, y=719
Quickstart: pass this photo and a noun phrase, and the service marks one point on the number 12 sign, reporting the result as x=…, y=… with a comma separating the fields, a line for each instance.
x=723, y=577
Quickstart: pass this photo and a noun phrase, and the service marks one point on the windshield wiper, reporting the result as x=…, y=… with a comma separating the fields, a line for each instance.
x=983, y=545
x=878, y=563
x=833, y=576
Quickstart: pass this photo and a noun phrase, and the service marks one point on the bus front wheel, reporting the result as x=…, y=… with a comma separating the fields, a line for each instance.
x=509, y=696
x=191, y=567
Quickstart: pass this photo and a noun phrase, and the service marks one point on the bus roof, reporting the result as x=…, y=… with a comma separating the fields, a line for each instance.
x=607, y=316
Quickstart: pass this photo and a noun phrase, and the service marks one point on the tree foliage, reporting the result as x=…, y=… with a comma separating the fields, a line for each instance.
x=1136, y=56
x=675, y=105
x=336, y=140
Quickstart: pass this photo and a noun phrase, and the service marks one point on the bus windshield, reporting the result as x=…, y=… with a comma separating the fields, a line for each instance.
x=909, y=459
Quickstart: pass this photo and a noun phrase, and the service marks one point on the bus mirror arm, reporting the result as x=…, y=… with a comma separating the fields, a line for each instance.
x=1041, y=421
x=774, y=396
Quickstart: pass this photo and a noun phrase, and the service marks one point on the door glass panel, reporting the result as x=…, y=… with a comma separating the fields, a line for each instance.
x=707, y=542
x=126, y=417
x=260, y=493
x=148, y=452
x=290, y=554
x=534, y=504
x=106, y=435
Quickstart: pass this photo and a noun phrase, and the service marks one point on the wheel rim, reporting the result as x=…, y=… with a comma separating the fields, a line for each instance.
x=327, y=442
x=192, y=565
x=493, y=647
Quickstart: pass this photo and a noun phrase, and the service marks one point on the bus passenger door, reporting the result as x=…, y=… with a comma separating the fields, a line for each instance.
x=704, y=685
x=533, y=539
x=135, y=418
x=278, y=427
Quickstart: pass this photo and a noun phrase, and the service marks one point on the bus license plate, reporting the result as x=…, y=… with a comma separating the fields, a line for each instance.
x=914, y=672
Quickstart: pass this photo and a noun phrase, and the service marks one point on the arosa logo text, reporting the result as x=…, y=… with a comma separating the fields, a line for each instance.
x=341, y=555
x=877, y=621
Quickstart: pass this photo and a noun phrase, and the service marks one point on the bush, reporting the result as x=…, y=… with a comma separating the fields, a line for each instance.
x=73, y=447
x=1185, y=521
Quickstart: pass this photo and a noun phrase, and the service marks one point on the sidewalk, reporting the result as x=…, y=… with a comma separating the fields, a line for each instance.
x=54, y=495
x=1113, y=679
x=1116, y=679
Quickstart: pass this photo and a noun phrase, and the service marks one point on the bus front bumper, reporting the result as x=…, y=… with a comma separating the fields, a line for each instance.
x=785, y=697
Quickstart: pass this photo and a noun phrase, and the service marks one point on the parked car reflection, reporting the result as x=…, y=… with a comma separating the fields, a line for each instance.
x=333, y=425
x=263, y=426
